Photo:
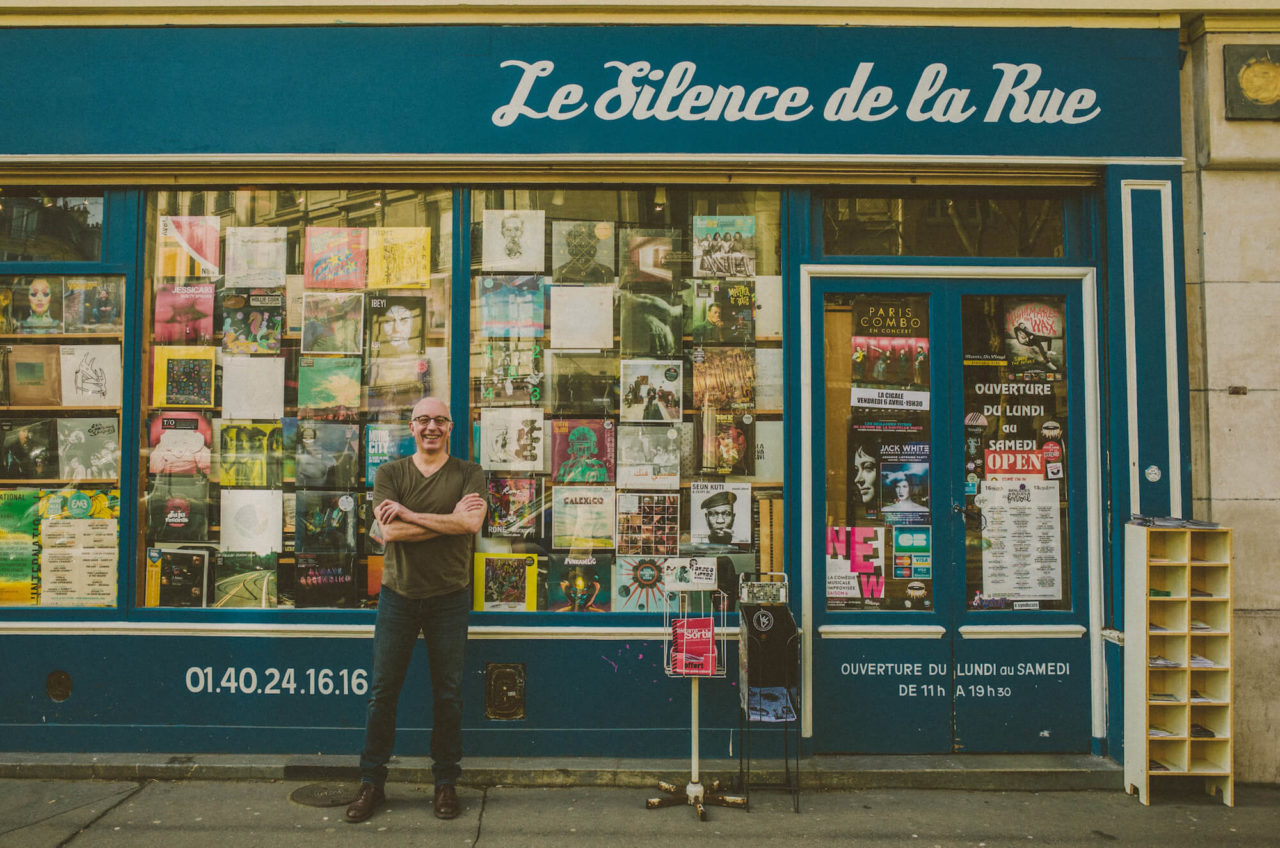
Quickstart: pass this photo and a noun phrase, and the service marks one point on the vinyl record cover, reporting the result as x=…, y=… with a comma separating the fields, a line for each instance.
x=728, y=445
x=93, y=304
x=245, y=579
x=184, y=312
x=583, y=383
x=513, y=439
x=651, y=324
x=184, y=575
x=88, y=448
x=251, y=320
x=328, y=455
x=638, y=585
x=582, y=517
x=648, y=456
x=580, y=581
x=383, y=443
x=590, y=313
x=721, y=312
x=583, y=450
x=35, y=375
x=649, y=256
x=252, y=386
x=325, y=580
x=293, y=304
x=399, y=257
x=182, y=375
x=91, y=375
x=394, y=385
x=327, y=522
x=187, y=246
x=249, y=452
x=648, y=523
x=35, y=305
x=719, y=513
x=652, y=390
x=505, y=583
x=512, y=306
x=513, y=240
x=178, y=509
x=512, y=372
x=333, y=322
x=724, y=378
x=252, y=520
x=335, y=258
x=29, y=449
x=180, y=444
x=255, y=257
x=396, y=324
x=515, y=507
x=724, y=246
x=329, y=387
x=583, y=252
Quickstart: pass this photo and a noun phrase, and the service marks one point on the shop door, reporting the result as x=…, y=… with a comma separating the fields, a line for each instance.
x=950, y=511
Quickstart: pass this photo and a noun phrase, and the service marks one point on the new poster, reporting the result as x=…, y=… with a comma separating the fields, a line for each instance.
x=515, y=507
x=648, y=456
x=335, y=258
x=649, y=256
x=652, y=390
x=724, y=378
x=582, y=517
x=399, y=257
x=513, y=439
x=855, y=559
x=88, y=448
x=513, y=240
x=93, y=304
x=638, y=585
x=590, y=313
x=583, y=252
x=328, y=454
x=648, y=524
x=724, y=246
x=180, y=444
x=397, y=325
x=333, y=322
x=91, y=375
x=187, y=246
x=255, y=257
x=583, y=450
x=252, y=320
x=719, y=513
x=182, y=375
x=580, y=581
x=505, y=583
x=329, y=387
x=512, y=306
x=184, y=313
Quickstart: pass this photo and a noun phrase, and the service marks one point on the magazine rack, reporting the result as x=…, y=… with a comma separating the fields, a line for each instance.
x=768, y=678
x=694, y=647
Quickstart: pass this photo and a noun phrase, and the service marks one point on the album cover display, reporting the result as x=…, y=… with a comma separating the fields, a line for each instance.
x=93, y=304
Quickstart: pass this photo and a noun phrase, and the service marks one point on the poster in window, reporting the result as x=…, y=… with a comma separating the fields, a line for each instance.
x=721, y=311
x=513, y=439
x=178, y=509
x=35, y=305
x=19, y=555
x=325, y=580
x=724, y=378
x=30, y=449
x=252, y=320
x=399, y=257
x=512, y=306
x=904, y=483
x=651, y=323
x=649, y=256
x=515, y=507
x=255, y=257
x=648, y=523
x=335, y=258
x=512, y=372
x=328, y=455
x=93, y=304
x=855, y=558
x=383, y=443
x=252, y=520
x=252, y=386
x=583, y=252
x=188, y=246
x=582, y=382
x=184, y=313
x=333, y=322
x=183, y=575
x=648, y=456
x=1035, y=338
x=513, y=240
x=1021, y=540
x=249, y=452
x=34, y=373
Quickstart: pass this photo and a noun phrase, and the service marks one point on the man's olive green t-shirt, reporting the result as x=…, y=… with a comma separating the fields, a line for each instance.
x=435, y=566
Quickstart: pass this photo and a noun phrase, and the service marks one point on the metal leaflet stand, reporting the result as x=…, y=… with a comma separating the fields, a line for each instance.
x=696, y=606
x=773, y=593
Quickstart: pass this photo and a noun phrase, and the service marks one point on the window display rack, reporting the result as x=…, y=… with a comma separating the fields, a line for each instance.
x=1178, y=693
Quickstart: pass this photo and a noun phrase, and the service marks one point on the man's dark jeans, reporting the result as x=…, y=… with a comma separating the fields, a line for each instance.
x=443, y=622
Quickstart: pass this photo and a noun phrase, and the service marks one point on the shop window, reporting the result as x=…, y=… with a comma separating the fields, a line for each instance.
x=626, y=389
x=42, y=226
x=944, y=223
x=285, y=340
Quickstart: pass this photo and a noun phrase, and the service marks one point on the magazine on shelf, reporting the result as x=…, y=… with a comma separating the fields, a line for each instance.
x=33, y=305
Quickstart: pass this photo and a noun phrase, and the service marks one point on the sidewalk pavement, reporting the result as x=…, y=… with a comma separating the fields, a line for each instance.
x=146, y=812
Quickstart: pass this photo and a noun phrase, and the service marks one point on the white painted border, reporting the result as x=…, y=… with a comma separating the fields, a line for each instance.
x=1021, y=631
x=882, y=631
x=1171, y=335
x=1088, y=280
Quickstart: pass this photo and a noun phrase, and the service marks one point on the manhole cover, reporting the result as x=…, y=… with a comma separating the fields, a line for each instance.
x=326, y=794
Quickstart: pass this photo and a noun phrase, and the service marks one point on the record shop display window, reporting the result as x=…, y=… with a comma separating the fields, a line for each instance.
x=626, y=394
x=286, y=336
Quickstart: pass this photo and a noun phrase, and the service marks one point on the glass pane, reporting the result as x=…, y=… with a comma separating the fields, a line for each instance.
x=42, y=226
x=288, y=334
x=943, y=224
x=60, y=391
x=879, y=552
x=626, y=381
x=1017, y=544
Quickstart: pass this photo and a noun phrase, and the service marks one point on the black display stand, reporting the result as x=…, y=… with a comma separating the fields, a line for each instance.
x=769, y=673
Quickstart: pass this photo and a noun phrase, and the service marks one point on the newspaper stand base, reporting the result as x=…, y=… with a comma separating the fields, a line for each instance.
x=694, y=794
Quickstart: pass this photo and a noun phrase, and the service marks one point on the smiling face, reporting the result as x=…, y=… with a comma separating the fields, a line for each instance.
x=431, y=437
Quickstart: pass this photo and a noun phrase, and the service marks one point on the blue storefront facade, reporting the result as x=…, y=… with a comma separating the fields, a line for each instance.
x=960, y=248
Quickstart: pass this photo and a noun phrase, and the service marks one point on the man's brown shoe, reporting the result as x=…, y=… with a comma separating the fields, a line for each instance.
x=369, y=799
x=446, y=804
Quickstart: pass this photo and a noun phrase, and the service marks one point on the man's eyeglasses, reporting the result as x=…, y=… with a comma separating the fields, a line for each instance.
x=438, y=420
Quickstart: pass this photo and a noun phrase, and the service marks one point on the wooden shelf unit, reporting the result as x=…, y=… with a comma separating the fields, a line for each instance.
x=1178, y=607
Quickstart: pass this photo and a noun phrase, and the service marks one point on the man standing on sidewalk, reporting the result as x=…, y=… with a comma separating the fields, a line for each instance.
x=430, y=505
